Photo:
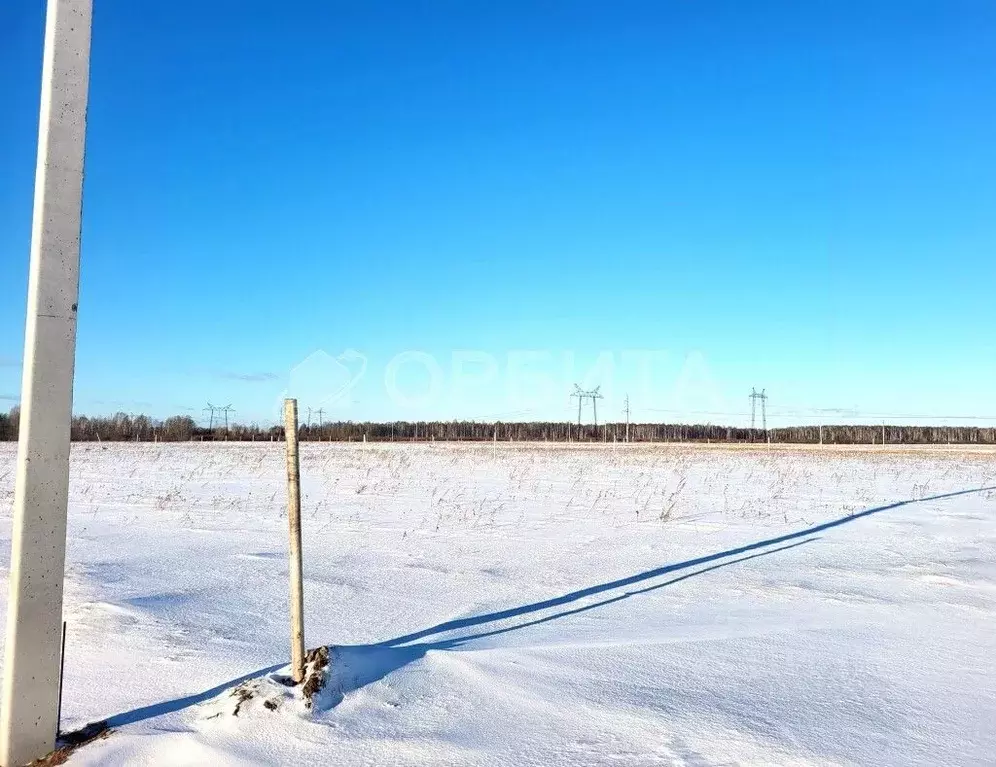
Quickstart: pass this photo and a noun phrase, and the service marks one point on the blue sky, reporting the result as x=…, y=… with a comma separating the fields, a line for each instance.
x=675, y=200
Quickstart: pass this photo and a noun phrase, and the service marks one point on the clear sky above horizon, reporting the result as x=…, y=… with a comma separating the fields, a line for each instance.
x=459, y=209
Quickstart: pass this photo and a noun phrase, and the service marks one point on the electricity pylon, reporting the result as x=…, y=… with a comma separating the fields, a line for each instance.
x=756, y=395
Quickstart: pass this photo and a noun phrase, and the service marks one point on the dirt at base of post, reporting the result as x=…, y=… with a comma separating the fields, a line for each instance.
x=315, y=664
x=69, y=742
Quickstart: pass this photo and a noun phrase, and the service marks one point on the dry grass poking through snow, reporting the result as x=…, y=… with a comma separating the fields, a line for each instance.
x=641, y=604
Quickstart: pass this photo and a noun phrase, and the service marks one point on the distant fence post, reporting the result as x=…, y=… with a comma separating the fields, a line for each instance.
x=294, y=519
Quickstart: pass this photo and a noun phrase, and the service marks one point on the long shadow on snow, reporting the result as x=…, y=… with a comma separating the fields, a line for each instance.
x=355, y=666
x=582, y=593
x=177, y=704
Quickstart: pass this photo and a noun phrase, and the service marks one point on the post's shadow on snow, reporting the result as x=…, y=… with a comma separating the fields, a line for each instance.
x=574, y=596
x=177, y=704
x=355, y=666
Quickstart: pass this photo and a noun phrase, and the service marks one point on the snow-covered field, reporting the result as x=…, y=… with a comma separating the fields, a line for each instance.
x=535, y=605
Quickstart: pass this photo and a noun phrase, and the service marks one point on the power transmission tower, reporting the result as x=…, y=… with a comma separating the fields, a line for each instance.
x=756, y=395
x=320, y=412
x=594, y=394
x=226, y=410
x=222, y=413
x=210, y=408
x=580, y=394
x=627, y=417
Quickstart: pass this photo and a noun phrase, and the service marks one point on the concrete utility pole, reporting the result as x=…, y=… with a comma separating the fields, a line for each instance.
x=29, y=707
x=627, y=418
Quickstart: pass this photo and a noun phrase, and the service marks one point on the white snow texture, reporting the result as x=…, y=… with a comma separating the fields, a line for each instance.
x=534, y=604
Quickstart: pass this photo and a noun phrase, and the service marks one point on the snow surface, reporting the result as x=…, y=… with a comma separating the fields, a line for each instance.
x=535, y=605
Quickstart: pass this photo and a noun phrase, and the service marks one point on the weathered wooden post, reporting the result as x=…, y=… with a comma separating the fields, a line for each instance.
x=29, y=709
x=294, y=519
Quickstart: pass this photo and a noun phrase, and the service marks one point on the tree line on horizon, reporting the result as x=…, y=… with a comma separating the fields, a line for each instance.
x=122, y=427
